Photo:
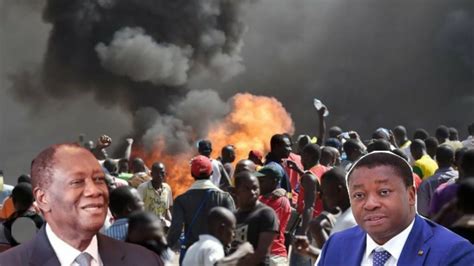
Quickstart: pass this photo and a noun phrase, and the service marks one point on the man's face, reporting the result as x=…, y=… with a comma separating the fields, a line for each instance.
x=159, y=173
x=77, y=198
x=267, y=184
x=330, y=193
x=284, y=148
x=228, y=232
x=381, y=203
x=307, y=160
x=232, y=155
x=247, y=192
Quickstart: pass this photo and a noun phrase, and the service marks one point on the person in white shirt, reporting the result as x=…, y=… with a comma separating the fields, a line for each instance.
x=219, y=175
x=209, y=250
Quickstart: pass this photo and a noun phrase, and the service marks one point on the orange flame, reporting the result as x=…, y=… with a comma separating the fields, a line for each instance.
x=253, y=120
x=250, y=125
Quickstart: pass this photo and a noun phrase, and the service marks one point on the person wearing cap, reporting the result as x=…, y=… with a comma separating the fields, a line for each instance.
x=389, y=231
x=274, y=197
x=202, y=196
x=219, y=175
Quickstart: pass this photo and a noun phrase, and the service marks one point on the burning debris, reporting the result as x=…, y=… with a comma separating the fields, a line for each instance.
x=249, y=124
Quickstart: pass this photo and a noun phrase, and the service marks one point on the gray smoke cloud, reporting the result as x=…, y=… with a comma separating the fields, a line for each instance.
x=134, y=54
x=188, y=120
x=129, y=50
x=373, y=63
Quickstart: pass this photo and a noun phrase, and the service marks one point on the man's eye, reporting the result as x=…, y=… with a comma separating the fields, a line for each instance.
x=384, y=192
x=358, y=195
x=99, y=180
x=77, y=182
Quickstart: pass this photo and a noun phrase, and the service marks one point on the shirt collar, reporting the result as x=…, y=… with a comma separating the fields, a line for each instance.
x=67, y=254
x=394, y=246
x=203, y=184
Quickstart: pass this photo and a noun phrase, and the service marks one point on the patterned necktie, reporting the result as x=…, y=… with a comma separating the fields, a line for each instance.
x=84, y=259
x=380, y=257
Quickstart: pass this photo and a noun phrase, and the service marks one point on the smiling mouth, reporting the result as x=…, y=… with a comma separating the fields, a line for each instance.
x=374, y=220
x=93, y=207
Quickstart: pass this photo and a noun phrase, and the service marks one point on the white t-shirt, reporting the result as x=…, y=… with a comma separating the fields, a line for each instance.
x=216, y=172
x=206, y=252
x=345, y=221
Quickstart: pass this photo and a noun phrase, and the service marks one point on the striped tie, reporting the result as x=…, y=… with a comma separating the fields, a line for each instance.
x=84, y=259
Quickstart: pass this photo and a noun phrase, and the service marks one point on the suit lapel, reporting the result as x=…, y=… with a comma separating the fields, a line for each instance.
x=357, y=247
x=416, y=247
x=110, y=254
x=43, y=253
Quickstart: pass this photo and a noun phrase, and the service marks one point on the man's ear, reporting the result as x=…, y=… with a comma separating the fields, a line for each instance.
x=42, y=199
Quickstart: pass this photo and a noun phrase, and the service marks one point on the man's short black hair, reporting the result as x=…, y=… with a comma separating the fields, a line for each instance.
x=242, y=176
x=120, y=198
x=378, y=145
x=442, y=132
x=218, y=216
x=137, y=220
x=313, y=150
x=110, y=165
x=350, y=146
x=445, y=155
x=157, y=166
x=22, y=196
x=24, y=179
x=335, y=175
x=400, y=130
x=385, y=158
x=420, y=133
x=470, y=129
x=418, y=145
x=277, y=139
x=400, y=153
x=453, y=133
x=431, y=142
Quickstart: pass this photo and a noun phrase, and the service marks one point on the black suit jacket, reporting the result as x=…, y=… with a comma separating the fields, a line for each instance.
x=39, y=252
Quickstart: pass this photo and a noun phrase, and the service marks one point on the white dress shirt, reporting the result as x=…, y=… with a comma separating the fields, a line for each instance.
x=394, y=246
x=67, y=254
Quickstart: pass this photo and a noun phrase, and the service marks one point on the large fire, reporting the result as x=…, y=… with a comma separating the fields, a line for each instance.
x=249, y=126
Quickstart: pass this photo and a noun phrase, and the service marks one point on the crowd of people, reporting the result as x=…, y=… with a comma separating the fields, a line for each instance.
x=333, y=199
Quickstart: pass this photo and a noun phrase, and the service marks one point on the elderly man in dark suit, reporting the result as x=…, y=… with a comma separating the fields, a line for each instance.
x=70, y=189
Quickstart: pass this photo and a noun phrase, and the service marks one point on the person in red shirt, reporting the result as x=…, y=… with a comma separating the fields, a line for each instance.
x=275, y=198
x=309, y=202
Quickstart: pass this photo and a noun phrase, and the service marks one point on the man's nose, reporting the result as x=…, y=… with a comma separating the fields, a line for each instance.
x=371, y=203
x=92, y=189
